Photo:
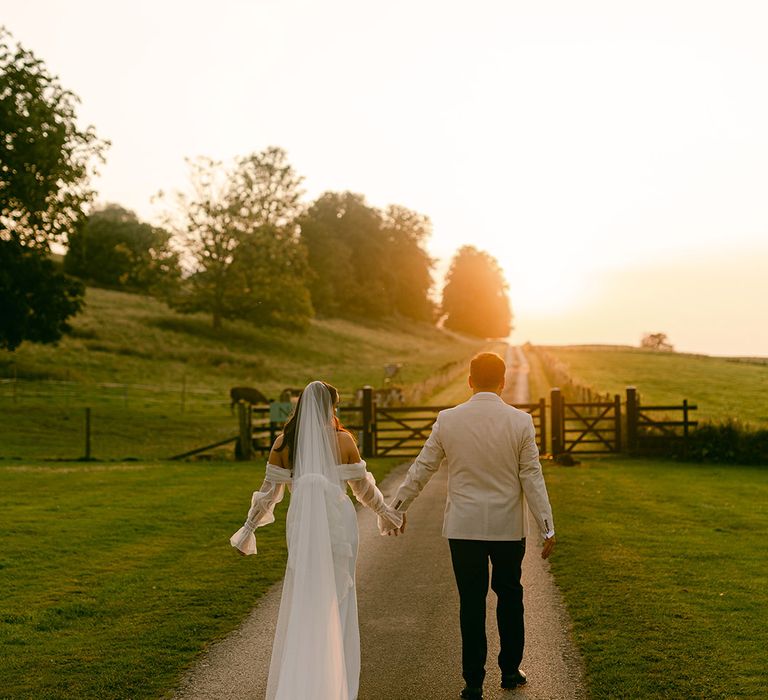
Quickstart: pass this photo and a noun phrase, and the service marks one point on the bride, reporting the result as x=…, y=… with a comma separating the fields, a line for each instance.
x=316, y=652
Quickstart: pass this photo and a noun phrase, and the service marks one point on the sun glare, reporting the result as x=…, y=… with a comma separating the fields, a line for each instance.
x=549, y=292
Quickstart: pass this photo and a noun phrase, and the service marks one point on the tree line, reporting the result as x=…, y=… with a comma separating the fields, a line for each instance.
x=238, y=243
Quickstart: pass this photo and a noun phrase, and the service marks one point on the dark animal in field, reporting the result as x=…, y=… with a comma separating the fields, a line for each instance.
x=247, y=394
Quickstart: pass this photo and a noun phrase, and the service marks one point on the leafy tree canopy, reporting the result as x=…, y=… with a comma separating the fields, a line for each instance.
x=37, y=300
x=237, y=227
x=366, y=262
x=475, y=297
x=114, y=249
x=46, y=162
x=656, y=341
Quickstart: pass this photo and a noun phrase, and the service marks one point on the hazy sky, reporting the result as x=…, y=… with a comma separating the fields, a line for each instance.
x=612, y=155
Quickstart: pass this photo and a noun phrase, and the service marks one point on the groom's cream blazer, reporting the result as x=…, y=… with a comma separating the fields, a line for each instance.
x=489, y=449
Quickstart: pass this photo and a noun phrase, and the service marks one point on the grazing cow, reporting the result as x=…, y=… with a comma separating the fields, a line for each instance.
x=247, y=394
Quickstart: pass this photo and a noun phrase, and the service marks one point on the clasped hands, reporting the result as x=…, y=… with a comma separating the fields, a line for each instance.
x=398, y=530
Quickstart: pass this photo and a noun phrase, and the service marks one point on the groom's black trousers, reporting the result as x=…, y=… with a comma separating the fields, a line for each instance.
x=470, y=565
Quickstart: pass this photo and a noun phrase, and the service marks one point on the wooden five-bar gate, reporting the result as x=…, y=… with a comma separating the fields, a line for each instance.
x=562, y=426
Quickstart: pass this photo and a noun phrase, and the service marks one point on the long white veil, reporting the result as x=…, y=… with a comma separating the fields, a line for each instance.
x=308, y=652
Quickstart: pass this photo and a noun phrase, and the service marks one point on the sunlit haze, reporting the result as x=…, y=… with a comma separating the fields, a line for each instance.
x=612, y=155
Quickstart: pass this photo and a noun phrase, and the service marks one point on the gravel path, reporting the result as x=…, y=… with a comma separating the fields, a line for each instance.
x=516, y=389
x=409, y=619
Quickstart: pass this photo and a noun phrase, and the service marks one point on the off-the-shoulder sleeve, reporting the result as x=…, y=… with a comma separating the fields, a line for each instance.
x=262, y=508
x=364, y=488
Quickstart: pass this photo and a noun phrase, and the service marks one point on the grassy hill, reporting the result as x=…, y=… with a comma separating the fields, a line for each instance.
x=722, y=388
x=158, y=381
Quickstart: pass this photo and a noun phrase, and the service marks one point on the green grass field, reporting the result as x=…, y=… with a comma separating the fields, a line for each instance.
x=722, y=388
x=158, y=382
x=113, y=577
x=663, y=570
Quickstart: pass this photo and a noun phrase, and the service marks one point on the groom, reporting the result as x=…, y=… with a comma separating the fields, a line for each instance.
x=489, y=449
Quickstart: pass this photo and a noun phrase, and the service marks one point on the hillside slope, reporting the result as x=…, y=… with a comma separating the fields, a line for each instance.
x=158, y=380
x=722, y=387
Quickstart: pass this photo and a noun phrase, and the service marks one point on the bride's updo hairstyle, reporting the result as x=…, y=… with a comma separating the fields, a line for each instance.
x=291, y=427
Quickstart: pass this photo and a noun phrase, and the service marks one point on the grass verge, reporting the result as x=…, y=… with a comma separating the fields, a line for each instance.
x=113, y=577
x=663, y=570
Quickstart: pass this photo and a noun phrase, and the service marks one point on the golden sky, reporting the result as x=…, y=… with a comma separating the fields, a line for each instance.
x=612, y=155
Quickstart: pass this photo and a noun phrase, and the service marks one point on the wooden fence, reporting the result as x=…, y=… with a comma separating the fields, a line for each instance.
x=562, y=426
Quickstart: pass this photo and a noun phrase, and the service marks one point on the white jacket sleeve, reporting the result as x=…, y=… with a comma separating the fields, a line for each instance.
x=532, y=481
x=422, y=470
x=262, y=508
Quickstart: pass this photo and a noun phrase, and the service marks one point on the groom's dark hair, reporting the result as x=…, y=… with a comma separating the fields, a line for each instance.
x=487, y=370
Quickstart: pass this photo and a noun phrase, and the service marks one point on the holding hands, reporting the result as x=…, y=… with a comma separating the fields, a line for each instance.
x=398, y=530
x=389, y=525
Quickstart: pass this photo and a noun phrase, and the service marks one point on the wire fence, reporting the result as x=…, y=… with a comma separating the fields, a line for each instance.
x=179, y=398
x=43, y=419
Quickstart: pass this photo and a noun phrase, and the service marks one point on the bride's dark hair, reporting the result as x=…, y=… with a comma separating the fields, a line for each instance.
x=291, y=428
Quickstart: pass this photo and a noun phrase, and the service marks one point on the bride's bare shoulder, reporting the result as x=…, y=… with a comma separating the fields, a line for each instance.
x=275, y=455
x=348, y=447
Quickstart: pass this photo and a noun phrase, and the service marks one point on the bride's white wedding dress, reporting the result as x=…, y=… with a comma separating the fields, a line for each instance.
x=316, y=651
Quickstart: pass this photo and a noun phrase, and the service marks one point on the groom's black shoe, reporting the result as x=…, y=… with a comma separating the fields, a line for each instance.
x=471, y=693
x=513, y=680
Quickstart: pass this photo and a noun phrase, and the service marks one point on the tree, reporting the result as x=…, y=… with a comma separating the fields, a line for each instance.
x=114, y=249
x=656, y=341
x=409, y=262
x=475, y=297
x=329, y=255
x=364, y=262
x=347, y=254
x=36, y=299
x=46, y=162
x=269, y=275
x=239, y=217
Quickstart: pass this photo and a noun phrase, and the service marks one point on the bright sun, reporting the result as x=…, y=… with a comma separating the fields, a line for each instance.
x=550, y=292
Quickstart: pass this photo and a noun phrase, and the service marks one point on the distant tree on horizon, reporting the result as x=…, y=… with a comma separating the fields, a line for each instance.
x=46, y=162
x=475, y=299
x=112, y=248
x=656, y=341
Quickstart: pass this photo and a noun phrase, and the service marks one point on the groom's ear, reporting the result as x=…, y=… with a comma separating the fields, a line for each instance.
x=469, y=381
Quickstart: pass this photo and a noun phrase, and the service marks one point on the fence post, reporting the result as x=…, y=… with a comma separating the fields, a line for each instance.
x=368, y=410
x=87, y=434
x=632, y=418
x=685, y=428
x=246, y=438
x=617, y=420
x=543, y=423
x=556, y=399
